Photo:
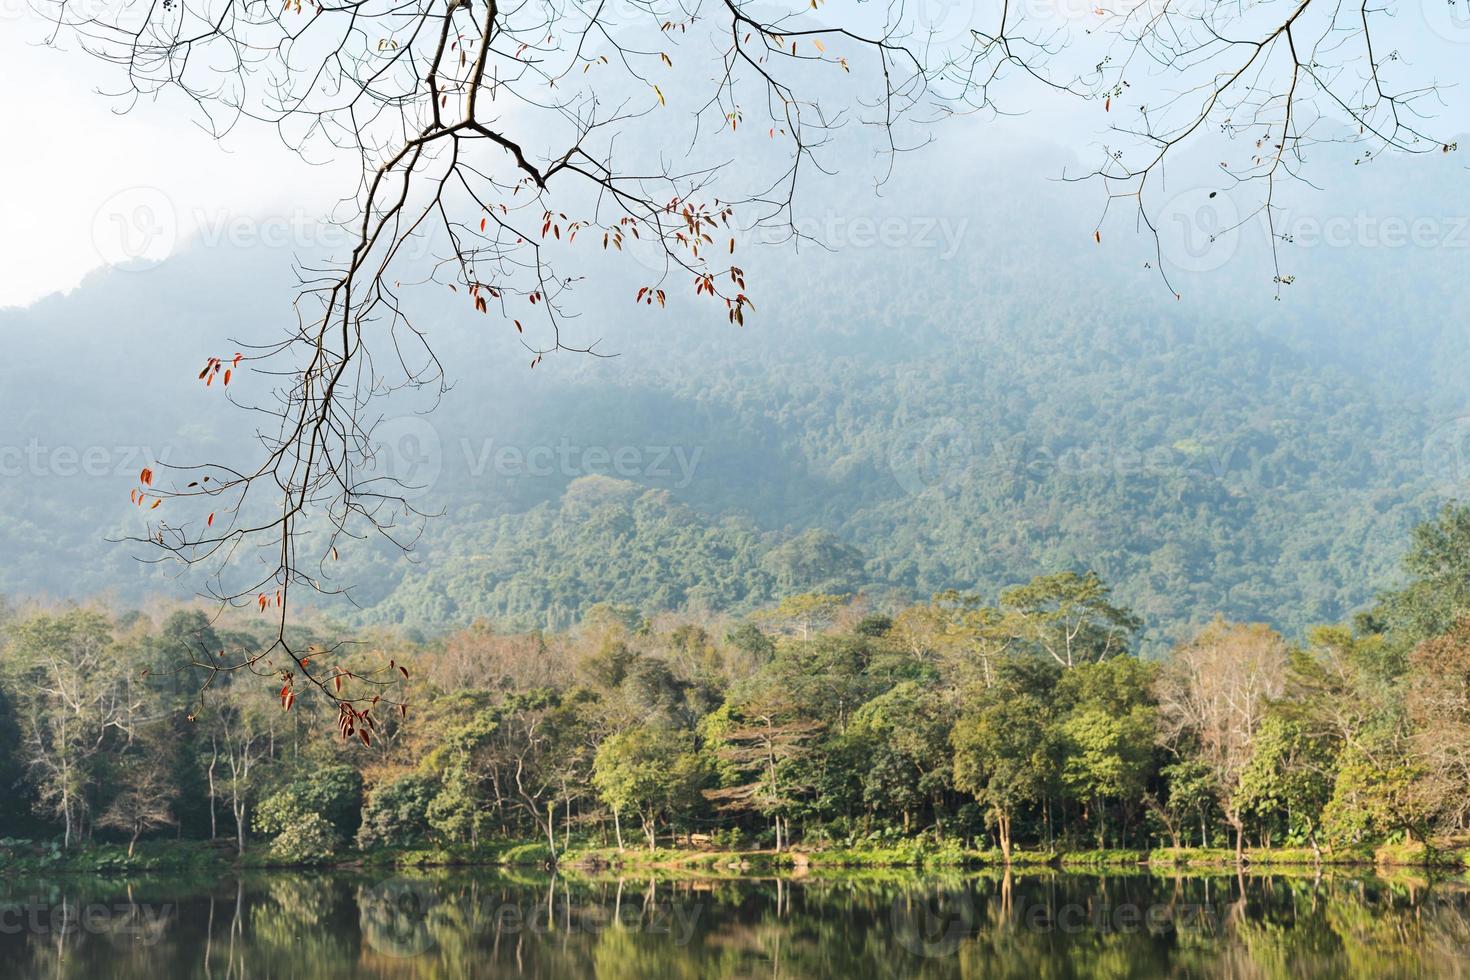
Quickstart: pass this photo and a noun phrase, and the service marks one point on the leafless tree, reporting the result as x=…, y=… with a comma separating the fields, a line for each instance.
x=1213, y=694
x=1254, y=86
x=1438, y=703
x=146, y=800
x=76, y=701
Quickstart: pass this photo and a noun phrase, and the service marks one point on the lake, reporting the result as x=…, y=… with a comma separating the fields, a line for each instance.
x=497, y=923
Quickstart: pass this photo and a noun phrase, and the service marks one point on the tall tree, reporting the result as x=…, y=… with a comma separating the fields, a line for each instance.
x=904, y=737
x=1214, y=693
x=1438, y=706
x=759, y=746
x=652, y=771
x=1069, y=617
x=77, y=698
x=1107, y=736
x=1438, y=568
x=242, y=734
x=1003, y=754
x=1289, y=777
x=147, y=791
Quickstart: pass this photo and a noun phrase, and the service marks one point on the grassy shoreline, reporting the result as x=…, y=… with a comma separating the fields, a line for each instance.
x=27, y=858
x=918, y=858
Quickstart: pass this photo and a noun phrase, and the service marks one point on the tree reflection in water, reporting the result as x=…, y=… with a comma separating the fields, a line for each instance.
x=502, y=924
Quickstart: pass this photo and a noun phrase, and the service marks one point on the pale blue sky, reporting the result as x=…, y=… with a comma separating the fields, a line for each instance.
x=87, y=186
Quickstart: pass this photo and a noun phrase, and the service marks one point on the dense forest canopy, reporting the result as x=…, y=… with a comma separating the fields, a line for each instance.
x=1020, y=719
x=928, y=427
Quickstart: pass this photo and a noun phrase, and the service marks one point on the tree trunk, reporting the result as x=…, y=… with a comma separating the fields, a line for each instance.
x=1003, y=834
x=1171, y=826
x=66, y=817
x=213, y=760
x=238, y=807
x=618, y=828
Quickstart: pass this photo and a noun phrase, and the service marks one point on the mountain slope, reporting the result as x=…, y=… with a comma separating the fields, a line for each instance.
x=965, y=403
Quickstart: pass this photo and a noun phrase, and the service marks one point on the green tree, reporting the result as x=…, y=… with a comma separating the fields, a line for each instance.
x=807, y=613
x=814, y=562
x=1003, y=755
x=904, y=737
x=760, y=741
x=242, y=732
x=1438, y=566
x=76, y=699
x=1190, y=791
x=145, y=791
x=466, y=761
x=396, y=812
x=1069, y=617
x=1108, y=734
x=651, y=771
x=1289, y=777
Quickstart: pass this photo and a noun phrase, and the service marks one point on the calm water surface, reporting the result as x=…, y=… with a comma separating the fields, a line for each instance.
x=498, y=924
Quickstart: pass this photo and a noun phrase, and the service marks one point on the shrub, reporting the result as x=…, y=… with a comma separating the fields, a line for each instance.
x=529, y=854
x=303, y=833
x=309, y=838
x=396, y=815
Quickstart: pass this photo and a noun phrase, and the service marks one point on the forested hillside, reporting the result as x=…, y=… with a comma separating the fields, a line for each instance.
x=922, y=415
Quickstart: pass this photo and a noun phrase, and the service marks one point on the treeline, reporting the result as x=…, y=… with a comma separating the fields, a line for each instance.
x=1020, y=720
